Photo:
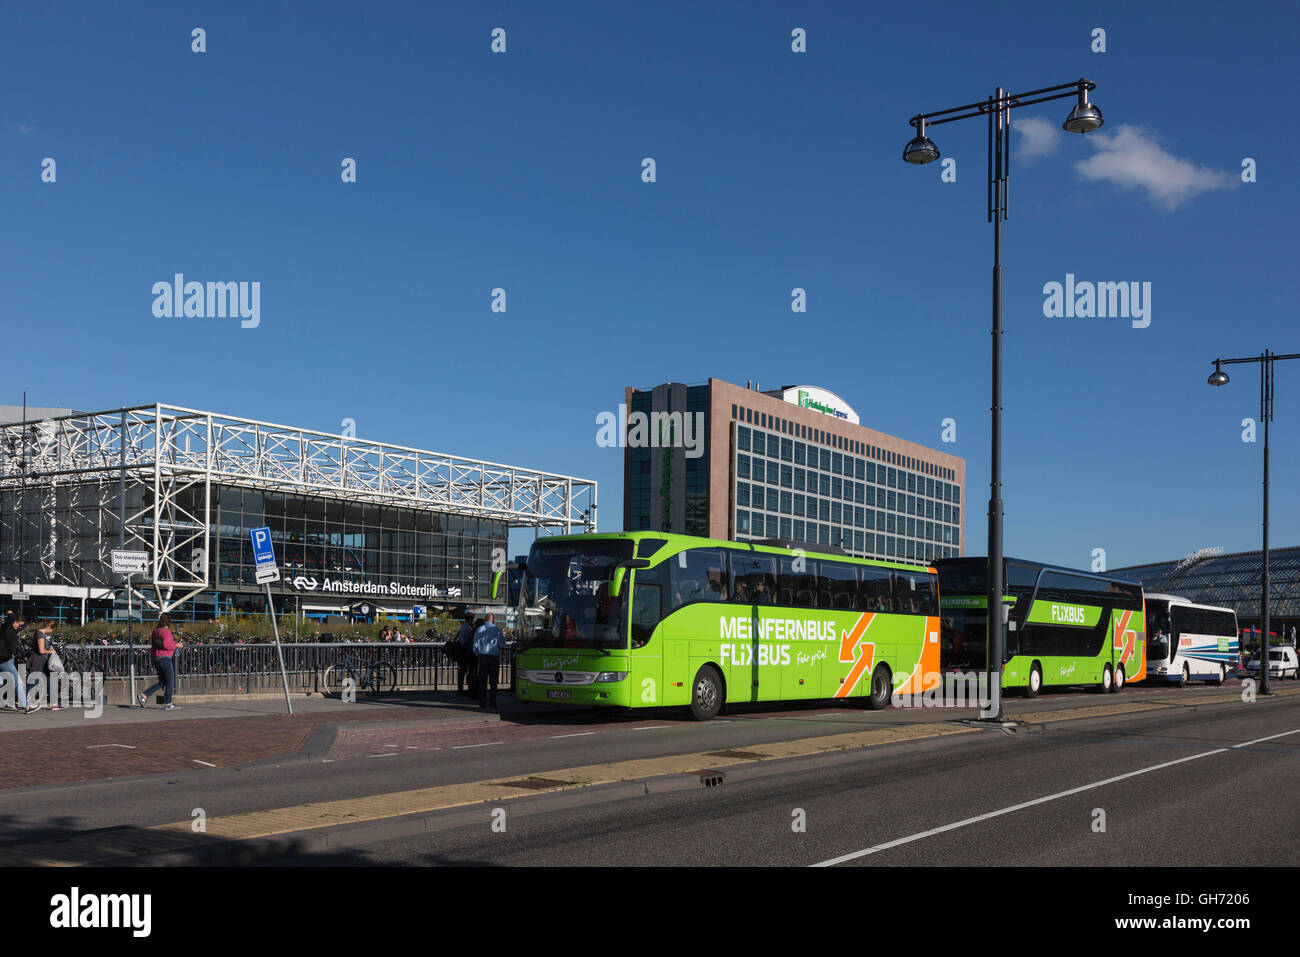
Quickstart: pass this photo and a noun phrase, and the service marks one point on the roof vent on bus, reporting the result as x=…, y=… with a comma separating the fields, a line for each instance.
x=806, y=546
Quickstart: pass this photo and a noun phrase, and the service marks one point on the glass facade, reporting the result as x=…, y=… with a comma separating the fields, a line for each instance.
x=331, y=552
x=644, y=463
x=356, y=543
x=1231, y=581
x=813, y=486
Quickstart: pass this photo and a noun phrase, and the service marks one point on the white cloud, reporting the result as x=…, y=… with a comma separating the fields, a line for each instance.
x=1038, y=137
x=1132, y=157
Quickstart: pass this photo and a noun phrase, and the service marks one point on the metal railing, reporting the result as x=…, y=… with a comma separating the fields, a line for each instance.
x=245, y=668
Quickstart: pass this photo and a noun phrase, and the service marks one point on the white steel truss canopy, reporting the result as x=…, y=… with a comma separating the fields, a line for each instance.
x=169, y=449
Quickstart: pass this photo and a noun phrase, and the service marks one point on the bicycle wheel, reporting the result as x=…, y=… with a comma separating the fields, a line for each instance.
x=332, y=681
x=383, y=678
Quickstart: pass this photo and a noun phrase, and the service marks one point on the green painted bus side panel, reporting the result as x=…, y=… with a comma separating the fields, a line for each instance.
x=792, y=653
x=1062, y=613
x=1079, y=670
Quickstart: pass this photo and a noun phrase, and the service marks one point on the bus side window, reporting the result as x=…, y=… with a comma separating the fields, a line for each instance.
x=796, y=589
x=698, y=574
x=755, y=578
x=647, y=602
x=874, y=589
x=914, y=593
x=839, y=583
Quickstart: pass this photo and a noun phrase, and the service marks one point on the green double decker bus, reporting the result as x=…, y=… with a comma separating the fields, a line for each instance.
x=652, y=619
x=1064, y=627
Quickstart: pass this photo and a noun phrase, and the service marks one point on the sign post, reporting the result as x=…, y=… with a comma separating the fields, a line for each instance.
x=130, y=563
x=267, y=572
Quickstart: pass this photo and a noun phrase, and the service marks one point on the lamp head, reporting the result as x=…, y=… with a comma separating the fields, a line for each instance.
x=1085, y=117
x=1218, y=376
x=920, y=149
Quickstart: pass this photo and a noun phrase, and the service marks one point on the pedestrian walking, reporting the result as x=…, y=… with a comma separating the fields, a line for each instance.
x=43, y=662
x=164, y=648
x=466, y=662
x=488, y=642
x=1293, y=636
x=9, y=636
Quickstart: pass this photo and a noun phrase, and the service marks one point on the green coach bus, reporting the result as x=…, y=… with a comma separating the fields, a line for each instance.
x=1064, y=627
x=652, y=619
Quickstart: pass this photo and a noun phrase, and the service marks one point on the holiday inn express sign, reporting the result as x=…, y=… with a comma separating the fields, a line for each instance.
x=820, y=400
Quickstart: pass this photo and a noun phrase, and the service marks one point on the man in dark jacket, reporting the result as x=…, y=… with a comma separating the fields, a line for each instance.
x=466, y=664
x=8, y=648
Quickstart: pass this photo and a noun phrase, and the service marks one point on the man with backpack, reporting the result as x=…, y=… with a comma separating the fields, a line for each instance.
x=466, y=663
x=488, y=644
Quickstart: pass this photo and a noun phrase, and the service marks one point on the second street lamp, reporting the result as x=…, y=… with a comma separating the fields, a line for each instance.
x=1219, y=377
x=1084, y=118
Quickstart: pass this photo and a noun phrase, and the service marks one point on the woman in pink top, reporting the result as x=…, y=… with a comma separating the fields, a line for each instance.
x=164, y=647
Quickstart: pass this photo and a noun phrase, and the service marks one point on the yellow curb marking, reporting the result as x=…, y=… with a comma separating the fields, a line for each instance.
x=256, y=824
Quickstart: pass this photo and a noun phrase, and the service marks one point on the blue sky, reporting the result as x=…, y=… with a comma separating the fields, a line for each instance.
x=775, y=170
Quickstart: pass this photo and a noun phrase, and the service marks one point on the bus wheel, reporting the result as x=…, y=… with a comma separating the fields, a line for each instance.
x=706, y=693
x=882, y=687
x=1118, y=683
x=1223, y=673
x=1035, y=684
x=1107, y=680
x=1182, y=682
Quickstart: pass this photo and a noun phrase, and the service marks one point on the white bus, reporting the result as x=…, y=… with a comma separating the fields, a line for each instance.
x=1189, y=642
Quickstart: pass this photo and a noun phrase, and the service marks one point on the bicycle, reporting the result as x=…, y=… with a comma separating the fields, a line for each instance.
x=375, y=677
x=76, y=661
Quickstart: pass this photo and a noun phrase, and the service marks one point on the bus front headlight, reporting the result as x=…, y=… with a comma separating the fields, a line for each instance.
x=612, y=676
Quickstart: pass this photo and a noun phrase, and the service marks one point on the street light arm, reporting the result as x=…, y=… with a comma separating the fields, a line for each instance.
x=1226, y=362
x=1010, y=101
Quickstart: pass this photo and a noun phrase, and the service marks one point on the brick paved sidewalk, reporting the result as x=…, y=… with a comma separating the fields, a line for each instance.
x=63, y=747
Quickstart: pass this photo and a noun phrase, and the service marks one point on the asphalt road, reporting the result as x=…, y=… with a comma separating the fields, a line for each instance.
x=1181, y=800
x=1197, y=812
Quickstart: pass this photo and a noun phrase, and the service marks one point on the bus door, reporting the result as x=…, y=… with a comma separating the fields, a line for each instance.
x=648, y=628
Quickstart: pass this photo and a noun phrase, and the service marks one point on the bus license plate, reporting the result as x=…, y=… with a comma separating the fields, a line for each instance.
x=559, y=694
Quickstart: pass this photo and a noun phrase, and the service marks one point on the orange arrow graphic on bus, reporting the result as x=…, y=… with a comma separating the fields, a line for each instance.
x=850, y=641
x=1124, y=639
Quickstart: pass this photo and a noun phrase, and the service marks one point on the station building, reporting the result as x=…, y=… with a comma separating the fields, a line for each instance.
x=360, y=529
x=1233, y=581
x=796, y=463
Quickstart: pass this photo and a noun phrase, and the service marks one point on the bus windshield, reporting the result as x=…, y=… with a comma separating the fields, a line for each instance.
x=963, y=637
x=1158, y=629
x=570, y=581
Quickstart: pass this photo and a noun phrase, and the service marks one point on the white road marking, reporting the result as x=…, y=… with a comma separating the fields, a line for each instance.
x=390, y=754
x=650, y=727
x=129, y=747
x=576, y=734
x=1042, y=800
x=204, y=763
x=485, y=745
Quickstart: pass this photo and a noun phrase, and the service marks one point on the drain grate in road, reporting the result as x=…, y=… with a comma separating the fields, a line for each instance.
x=536, y=784
x=733, y=753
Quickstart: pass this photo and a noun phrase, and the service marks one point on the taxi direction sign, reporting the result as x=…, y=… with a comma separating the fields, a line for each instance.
x=264, y=556
x=129, y=562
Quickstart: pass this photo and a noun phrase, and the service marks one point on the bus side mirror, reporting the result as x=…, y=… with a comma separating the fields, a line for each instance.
x=620, y=571
x=616, y=582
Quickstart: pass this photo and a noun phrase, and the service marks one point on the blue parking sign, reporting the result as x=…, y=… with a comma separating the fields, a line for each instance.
x=264, y=555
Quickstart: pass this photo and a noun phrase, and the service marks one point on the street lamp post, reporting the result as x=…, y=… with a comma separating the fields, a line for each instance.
x=1083, y=118
x=1219, y=377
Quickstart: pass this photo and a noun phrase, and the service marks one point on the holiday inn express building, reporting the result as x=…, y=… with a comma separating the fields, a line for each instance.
x=793, y=463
